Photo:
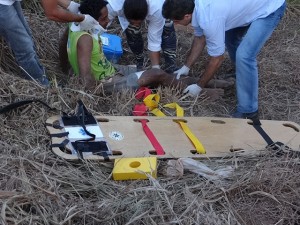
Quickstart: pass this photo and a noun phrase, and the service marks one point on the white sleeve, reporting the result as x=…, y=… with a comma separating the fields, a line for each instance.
x=155, y=29
x=198, y=31
x=215, y=37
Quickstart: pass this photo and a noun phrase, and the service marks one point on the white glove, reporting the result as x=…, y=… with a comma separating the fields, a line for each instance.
x=192, y=90
x=98, y=29
x=156, y=67
x=184, y=70
x=88, y=23
x=73, y=7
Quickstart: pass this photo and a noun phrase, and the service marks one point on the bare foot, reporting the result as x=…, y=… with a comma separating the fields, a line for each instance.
x=213, y=93
x=216, y=83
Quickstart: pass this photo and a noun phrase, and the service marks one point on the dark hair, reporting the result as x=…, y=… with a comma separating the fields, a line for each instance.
x=177, y=9
x=135, y=9
x=92, y=7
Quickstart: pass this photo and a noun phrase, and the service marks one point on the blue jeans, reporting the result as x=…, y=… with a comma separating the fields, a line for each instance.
x=16, y=32
x=243, y=45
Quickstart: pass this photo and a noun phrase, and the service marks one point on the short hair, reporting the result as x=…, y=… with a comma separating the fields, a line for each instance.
x=135, y=9
x=177, y=9
x=92, y=7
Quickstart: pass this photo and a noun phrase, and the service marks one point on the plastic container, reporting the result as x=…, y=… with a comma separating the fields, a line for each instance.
x=112, y=47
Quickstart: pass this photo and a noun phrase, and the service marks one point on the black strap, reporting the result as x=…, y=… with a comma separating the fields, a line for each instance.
x=96, y=147
x=60, y=145
x=63, y=134
x=264, y=135
x=18, y=104
x=276, y=146
x=76, y=119
x=56, y=126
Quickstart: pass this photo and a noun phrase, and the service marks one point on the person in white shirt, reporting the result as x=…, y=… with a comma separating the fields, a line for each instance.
x=243, y=27
x=161, y=33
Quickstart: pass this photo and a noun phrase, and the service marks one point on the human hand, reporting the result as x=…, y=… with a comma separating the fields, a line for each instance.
x=73, y=7
x=184, y=70
x=192, y=90
x=88, y=23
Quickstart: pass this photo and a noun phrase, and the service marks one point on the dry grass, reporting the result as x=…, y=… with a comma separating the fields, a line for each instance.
x=38, y=188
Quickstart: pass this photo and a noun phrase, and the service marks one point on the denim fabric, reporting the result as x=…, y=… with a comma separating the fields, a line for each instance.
x=17, y=34
x=168, y=45
x=243, y=45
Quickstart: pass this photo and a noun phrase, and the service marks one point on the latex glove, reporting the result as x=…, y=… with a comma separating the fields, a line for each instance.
x=156, y=67
x=73, y=7
x=88, y=23
x=192, y=90
x=184, y=70
x=98, y=29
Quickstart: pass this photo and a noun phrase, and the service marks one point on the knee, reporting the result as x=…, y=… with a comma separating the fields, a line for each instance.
x=243, y=55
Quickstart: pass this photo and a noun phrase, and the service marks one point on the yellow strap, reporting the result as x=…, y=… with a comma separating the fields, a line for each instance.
x=179, y=112
x=151, y=101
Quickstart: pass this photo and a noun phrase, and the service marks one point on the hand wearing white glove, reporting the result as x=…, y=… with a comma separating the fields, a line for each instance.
x=88, y=23
x=184, y=70
x=192, y=90
x=73, y=7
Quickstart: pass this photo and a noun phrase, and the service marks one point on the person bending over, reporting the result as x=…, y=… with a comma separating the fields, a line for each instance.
x=161, y=34
x=242, y=26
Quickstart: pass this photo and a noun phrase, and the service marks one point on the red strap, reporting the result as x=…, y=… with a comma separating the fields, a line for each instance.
x=140, y=110
x=152, y=138
x=142, y=93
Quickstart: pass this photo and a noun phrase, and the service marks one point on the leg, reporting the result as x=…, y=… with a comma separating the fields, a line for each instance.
x=233, y=39
x=246, y=64
x=156, y=77
x=17, y=34
x=168, y=45
x=136, y=44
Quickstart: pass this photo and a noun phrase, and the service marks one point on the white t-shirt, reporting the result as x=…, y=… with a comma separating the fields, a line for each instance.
x=213, y=17
x=154, y=19
x=8, y=2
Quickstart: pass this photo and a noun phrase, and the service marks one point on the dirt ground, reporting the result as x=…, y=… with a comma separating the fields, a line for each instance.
x=37, y=187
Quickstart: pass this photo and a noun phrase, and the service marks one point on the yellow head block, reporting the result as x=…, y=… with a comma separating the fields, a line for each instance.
x=134, y=168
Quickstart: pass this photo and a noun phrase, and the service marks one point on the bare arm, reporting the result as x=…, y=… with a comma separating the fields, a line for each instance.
x=63, y=54
x=154, y=58
x=56, y=13
x=195, y=51
x=84, y=52
x=213, y=65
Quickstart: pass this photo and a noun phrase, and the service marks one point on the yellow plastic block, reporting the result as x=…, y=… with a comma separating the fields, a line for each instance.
x=134, y=168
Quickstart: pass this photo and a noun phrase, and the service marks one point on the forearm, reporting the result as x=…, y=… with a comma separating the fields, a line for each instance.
x=213, y=65
x=154, y=58
x=55, y=13
x=195, y=51
x=84, y=52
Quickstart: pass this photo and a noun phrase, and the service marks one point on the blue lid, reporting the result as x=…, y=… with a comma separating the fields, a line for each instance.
x=111, y=43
